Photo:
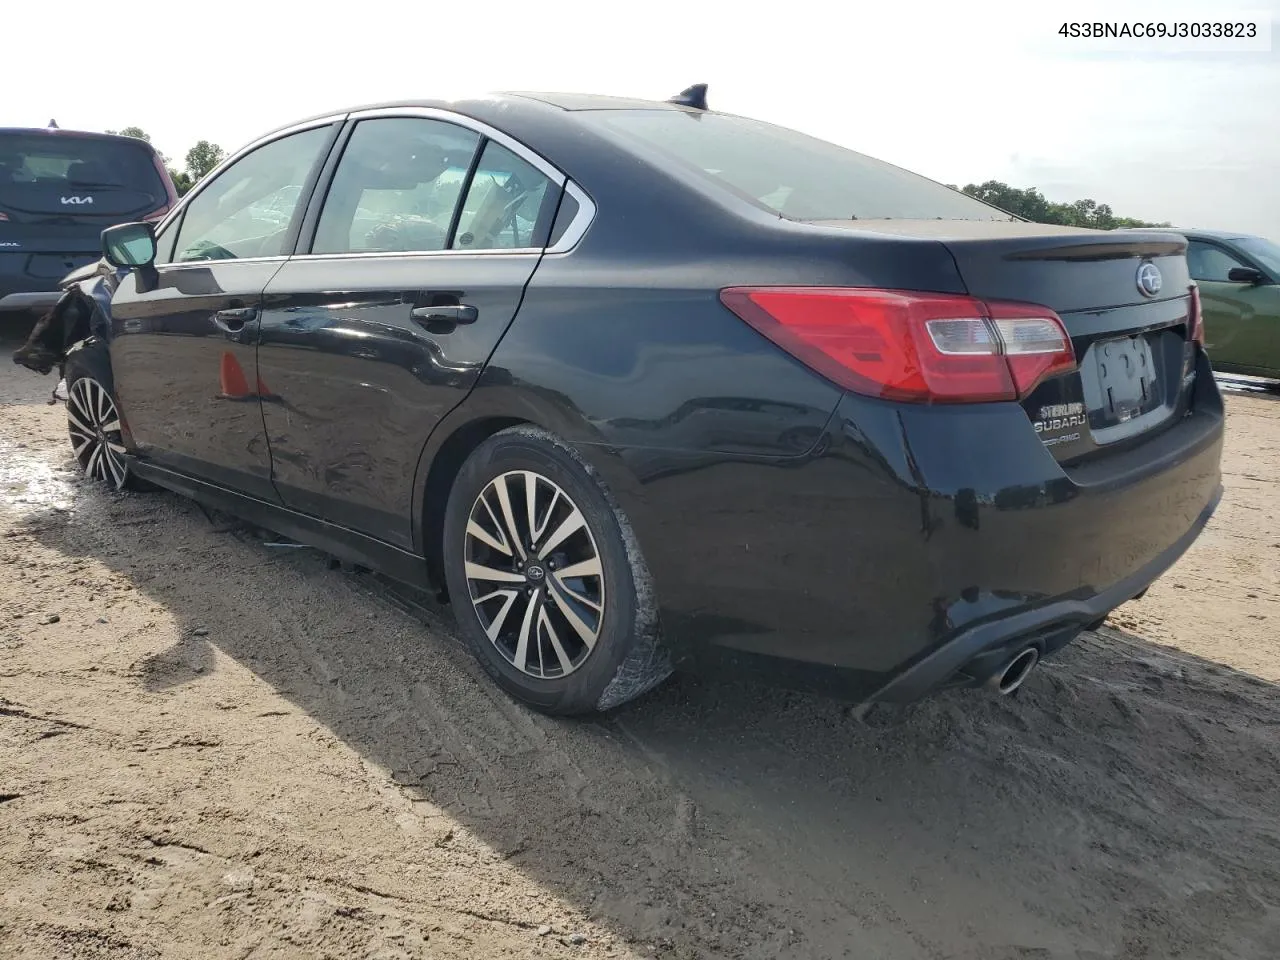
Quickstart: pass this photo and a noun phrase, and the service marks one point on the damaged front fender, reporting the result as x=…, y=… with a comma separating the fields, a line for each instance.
x=83, y=311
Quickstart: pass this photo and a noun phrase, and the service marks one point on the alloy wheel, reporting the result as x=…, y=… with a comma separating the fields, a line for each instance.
x=534, y=574
x=94, y=426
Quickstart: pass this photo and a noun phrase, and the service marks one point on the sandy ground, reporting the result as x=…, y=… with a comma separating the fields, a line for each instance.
x=213, y=748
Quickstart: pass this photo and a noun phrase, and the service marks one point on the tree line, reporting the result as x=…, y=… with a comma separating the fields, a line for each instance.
x=200, y=159
x=1030, y=204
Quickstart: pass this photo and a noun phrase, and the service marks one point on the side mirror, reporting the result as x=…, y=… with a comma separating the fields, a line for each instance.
x=129, y=245
x=1246, y=275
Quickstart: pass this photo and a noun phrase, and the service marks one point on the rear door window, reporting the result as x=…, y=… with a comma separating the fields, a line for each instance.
x=506, y=206
x=396, y=188
x=785, y=172
x=70, y=174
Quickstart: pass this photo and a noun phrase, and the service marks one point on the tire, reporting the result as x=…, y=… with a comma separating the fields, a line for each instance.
x=93, y=424
x=561, y=644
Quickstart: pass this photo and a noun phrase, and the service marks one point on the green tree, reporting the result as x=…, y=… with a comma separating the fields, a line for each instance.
x=136, y=132
x=202, y=158
x=1030, y=204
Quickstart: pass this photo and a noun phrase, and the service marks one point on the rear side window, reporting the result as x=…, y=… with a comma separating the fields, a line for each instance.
x=785, y=172
x=568, y=211
x=68, y=174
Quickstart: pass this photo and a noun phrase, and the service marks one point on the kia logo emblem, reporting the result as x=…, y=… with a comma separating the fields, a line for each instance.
x=1149, y=279
x=77, y=200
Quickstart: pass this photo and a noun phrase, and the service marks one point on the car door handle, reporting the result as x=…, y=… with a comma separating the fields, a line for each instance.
x=233, y=319
x=446, y=313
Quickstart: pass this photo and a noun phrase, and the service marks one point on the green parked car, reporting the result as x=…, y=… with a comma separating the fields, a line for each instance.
x=1239, y=280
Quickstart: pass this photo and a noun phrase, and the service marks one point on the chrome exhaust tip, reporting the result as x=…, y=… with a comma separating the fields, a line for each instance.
x=1011, y=676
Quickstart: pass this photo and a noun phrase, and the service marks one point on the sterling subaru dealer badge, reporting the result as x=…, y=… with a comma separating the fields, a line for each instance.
x=1058, y=423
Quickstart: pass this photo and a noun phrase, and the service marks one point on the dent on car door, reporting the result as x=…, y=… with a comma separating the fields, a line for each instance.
x=184, y=341
x=420, y=252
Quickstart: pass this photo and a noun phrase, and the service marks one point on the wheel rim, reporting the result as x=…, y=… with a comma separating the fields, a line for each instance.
x=94, y=426
x=534, y=574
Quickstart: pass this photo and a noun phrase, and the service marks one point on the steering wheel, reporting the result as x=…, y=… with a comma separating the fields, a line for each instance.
x=383, y=237
x=205, y=250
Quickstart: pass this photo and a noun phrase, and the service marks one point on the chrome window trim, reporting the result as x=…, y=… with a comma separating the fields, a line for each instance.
x=179, y=264
x=572, y=235
x=514, y=252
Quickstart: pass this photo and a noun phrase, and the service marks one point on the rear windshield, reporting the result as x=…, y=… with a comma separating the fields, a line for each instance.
x=788, y=173
x=64, y=162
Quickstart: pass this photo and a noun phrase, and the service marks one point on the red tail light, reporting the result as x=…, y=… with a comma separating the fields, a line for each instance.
x=916, y=347
x=1195, y=318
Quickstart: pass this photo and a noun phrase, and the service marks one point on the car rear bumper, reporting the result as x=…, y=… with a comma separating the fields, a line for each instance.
x=976, y=653
x=912, y=540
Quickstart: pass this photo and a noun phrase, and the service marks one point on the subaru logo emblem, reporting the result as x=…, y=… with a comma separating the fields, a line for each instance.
x=1149, y=279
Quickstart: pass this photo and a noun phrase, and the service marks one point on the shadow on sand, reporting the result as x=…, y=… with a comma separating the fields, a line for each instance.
x=1125, y=804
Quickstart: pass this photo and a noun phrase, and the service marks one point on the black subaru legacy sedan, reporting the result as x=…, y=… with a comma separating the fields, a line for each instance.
x=640, y=384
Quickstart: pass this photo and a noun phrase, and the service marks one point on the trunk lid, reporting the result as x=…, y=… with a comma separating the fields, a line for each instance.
x=1124, y=298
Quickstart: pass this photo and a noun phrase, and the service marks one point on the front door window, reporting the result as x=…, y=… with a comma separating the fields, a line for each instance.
x=249, y=210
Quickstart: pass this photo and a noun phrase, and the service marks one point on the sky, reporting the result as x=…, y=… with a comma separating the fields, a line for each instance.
x=958, y=92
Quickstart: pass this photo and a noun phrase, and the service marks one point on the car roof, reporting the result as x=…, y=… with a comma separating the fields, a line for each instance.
x=1191, y=233
x=592, y=101
x=73, y=135
x=60, y=132
x=516, y=99
x=523, y=102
